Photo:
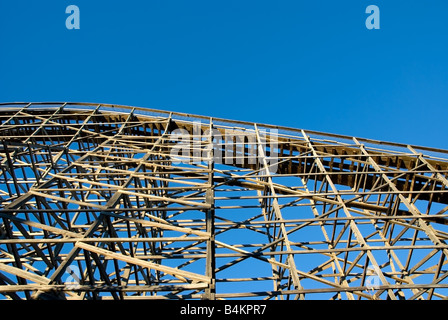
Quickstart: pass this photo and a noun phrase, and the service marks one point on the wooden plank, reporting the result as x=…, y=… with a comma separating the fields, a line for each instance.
x=166, y=225
x=169, y=200
x=40, y=226
x=180, y=274
x=102, y=288
x=61, y=199
x=78, y=239
x=24, y=274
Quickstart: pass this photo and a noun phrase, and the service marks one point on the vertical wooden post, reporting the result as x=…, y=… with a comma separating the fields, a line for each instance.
x=210, y=221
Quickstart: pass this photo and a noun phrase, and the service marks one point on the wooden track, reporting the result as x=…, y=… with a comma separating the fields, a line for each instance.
x=113, y=202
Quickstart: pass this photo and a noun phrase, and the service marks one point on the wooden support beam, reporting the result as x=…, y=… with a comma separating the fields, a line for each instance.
x=180, y=274
x=24, y=274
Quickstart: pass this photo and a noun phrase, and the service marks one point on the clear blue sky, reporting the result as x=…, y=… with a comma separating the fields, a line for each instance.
x=304, y=64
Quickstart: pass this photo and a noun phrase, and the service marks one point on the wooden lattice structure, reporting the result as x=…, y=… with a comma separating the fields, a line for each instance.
x=96, y=203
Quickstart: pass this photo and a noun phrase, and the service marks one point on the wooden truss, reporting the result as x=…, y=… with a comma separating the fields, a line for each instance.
x=95, y=206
